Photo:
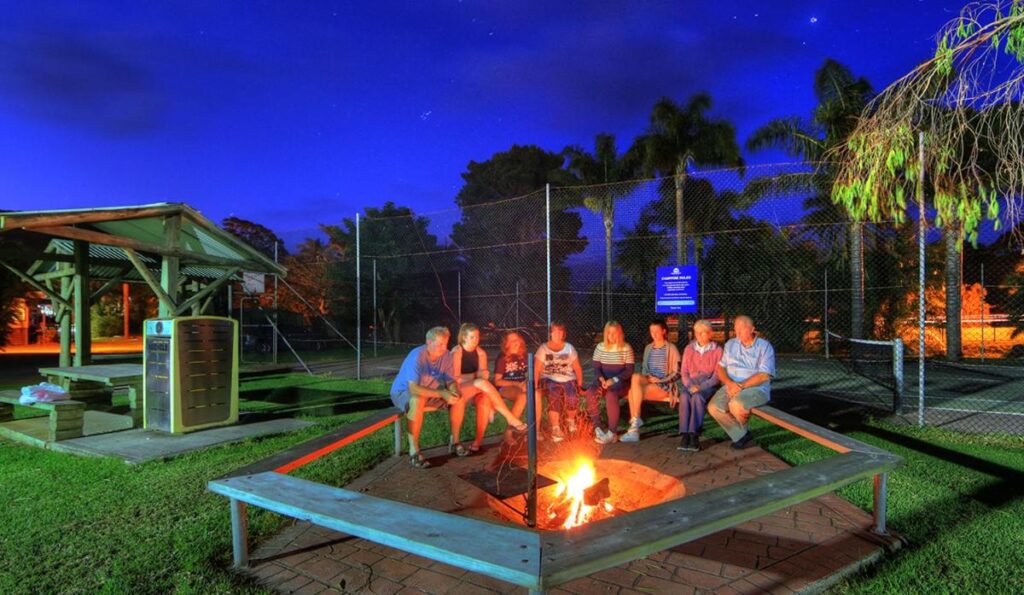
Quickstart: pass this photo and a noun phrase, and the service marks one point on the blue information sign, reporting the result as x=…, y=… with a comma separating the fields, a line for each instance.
x=675, y=289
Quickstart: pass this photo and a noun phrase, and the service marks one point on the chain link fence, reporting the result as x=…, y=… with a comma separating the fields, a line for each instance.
x=765, y=243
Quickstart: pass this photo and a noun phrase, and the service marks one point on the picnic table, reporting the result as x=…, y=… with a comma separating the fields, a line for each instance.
x=95, y=383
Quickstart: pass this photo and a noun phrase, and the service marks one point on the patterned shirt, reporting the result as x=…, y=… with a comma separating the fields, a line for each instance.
x=558, y=365
x=512, y=367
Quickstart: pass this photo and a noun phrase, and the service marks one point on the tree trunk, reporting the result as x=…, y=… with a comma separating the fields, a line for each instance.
x=609, y=224
x=680, y=178
x=954, y=349
x=856, y=279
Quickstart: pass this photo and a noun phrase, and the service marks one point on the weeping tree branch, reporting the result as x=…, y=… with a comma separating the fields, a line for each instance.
x=967, y=100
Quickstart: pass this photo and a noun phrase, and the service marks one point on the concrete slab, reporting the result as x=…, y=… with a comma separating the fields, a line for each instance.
x=803, y=548
x=140, y=446
x=35, y=430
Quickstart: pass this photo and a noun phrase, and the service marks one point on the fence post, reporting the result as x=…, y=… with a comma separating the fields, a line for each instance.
x=922, y=228
x=359, y=308
x=531, y=447
x=897, y=370
x=547, y=241
x=982, y=311
x=277, y=322
x=826, y=313
x=374, y=307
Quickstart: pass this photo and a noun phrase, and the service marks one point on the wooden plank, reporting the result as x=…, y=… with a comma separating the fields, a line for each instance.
x=56, y=299
x=255, y=256
x=30, y=220
x=608, y=543
x=207, y=291
x=813, y=432
x=105, y=374
x=166, y=303
x=306, y=452
x=506, y=553
x=116, y=279
x=67, y=404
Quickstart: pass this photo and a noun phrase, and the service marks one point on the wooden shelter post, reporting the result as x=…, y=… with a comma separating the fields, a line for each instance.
x=170, y=265
x=64, y=317
x=83, y=328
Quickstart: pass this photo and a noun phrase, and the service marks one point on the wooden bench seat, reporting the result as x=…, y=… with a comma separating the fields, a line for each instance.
x=66, y=417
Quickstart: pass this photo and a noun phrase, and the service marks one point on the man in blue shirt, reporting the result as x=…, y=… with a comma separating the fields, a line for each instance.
x=425, y=380
x=746, y=370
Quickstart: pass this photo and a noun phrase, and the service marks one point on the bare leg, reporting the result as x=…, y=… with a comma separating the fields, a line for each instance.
x=483, y=414
x=637, y=387
x=415, y=417
x=495, y=400
x=457, y=411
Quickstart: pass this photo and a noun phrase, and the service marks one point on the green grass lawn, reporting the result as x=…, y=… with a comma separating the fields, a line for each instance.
x=80, y=525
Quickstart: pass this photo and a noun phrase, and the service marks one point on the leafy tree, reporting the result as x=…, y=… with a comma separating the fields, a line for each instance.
x=678, y=134
x=604, y=170
x=397, y=239
x=259, y=237
x=10, y=286
x=309, y=273
x=503, y=211
x=964, y=101
x=841, y=99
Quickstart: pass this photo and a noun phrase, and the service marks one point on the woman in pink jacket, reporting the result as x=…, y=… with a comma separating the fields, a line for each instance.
x=697, y=373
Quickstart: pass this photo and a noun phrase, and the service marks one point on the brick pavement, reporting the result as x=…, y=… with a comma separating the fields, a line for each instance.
x=803, y=548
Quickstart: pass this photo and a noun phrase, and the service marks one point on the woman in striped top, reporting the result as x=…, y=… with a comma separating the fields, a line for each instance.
x=613, y=368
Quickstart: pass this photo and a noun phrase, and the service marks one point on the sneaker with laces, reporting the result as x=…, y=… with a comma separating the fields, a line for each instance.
x=556, y=434
x=631, y=435
x=684, y=442
x=635, y=424
x=604, y=437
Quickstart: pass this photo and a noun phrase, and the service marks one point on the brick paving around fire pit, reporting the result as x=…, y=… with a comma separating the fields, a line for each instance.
x=803, y=548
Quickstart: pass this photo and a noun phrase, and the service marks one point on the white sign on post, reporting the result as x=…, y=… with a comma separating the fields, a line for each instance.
x=254, y=282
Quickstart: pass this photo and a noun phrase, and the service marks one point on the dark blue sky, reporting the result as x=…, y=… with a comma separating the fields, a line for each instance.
x=295, y=113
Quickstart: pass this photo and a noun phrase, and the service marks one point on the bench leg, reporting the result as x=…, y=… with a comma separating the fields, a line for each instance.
x=66, y=423
x=134, y=401
x=881, y=497
x=398, y=435
x=240, y=533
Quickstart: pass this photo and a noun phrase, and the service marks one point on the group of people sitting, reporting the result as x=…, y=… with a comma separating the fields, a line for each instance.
x=726, y=381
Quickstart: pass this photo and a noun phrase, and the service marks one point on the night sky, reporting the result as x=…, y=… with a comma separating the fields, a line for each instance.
x=297, y=113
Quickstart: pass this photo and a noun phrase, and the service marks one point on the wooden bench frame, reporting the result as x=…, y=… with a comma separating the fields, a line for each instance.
x=67, y=418
x=540, y=561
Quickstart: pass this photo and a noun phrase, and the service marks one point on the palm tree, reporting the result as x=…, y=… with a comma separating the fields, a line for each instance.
x=841, y=99
x=600, y=169
x=678, y=135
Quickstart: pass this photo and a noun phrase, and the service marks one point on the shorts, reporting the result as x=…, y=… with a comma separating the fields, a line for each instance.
x=402, y=399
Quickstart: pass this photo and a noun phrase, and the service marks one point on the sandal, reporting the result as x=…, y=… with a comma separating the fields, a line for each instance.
x=520, y=429
x=418, y=461
x=460, y=450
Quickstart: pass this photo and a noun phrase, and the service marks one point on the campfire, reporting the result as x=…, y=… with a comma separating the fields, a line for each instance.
x=579, y=497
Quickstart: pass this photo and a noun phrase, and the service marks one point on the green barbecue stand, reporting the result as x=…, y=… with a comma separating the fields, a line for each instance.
x=66, y=417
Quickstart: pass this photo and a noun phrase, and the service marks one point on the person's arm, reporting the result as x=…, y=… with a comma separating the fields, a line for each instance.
x=457, y=362
x=627, y=371
x=418, y=390
x=712, y=379
x=723, y=374
x=756, y=379
x=684, y=369
x=578, y=370
x=482, y=372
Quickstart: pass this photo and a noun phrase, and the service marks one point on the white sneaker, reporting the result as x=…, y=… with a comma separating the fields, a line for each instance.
x=602, y=437
x=556, y=434
x=570, y=425
x=635, y=424
x=630, y=436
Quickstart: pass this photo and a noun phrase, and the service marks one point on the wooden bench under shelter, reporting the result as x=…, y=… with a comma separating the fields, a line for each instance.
x=66, y=417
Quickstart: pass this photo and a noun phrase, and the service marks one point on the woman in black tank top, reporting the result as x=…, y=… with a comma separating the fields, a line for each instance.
x=470, y=364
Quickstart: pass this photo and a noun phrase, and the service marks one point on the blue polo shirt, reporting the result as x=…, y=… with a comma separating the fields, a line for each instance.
x=418, y=368
x=742, y=362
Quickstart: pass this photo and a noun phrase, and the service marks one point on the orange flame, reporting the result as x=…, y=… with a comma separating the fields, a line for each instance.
x=570, y=489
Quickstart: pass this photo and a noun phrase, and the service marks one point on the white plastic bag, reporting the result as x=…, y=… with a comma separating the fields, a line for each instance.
x=44, y=392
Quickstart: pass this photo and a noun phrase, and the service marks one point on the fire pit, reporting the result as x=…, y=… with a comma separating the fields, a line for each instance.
x=588, y=490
